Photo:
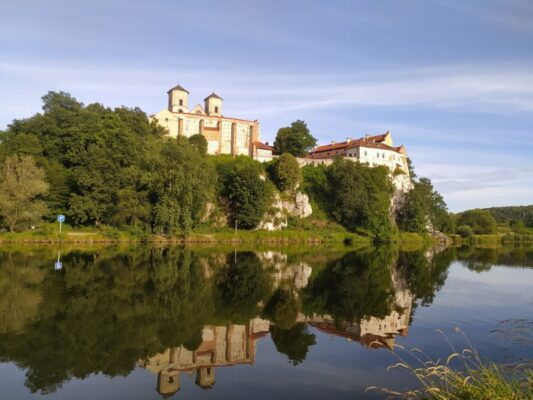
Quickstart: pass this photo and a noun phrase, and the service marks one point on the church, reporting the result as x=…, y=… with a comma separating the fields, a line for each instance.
x=224, y=135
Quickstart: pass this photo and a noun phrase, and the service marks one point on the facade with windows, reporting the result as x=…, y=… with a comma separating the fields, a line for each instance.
x=224, y=135
x=371, y=150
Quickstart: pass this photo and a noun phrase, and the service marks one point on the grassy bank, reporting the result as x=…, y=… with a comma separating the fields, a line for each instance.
x=49, y=234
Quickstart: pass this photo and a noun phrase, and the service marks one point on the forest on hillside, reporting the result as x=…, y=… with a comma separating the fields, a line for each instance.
x=112, y=167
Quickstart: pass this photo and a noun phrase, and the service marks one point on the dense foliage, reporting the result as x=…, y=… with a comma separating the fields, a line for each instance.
x=285, y=172
x=23, y=185
x=295, y=139
x=355, y=195
x=513, y=213
x=482, y=222
x=422, y=207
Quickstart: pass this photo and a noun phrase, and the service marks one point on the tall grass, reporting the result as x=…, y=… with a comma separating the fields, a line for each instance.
x=463, y=375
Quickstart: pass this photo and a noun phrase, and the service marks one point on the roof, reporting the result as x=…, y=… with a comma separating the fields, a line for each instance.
x=368, y=141
x=262, y=146
x=216, y=96
x=178, y=87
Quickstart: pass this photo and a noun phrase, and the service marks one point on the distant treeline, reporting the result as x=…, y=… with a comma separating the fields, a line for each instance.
x=112, y=167
x=513, y=213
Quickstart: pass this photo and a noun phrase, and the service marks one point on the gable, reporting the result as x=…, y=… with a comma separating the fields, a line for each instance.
x=198, y=109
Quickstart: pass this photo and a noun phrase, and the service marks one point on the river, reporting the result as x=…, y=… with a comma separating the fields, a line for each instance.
x=262, y=323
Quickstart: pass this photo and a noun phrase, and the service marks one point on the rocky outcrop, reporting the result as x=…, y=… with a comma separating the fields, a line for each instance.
x=284, y=206
x=401, y=184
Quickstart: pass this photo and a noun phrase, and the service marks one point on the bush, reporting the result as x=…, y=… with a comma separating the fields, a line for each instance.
x=482, y=222
x=465, y=231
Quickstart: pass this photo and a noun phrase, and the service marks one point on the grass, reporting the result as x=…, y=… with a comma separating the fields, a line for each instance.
x=48, y=233
x=462, y=376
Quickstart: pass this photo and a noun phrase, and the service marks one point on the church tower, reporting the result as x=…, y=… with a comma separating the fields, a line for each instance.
x=213, y=105
x=178, y=100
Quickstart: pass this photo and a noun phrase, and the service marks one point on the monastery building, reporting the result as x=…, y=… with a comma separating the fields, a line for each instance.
x=224, y=135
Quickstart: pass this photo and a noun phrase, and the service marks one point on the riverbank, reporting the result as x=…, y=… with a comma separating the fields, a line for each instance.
x=286, y=236
x=507, y=239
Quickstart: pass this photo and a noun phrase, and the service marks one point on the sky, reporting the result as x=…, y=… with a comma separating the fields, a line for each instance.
x=452, y=80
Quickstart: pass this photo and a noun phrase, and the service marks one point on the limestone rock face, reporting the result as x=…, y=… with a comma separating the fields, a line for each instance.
x=294, y=206
x=401, y=184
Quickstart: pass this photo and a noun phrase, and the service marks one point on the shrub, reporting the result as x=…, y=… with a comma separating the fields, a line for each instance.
x=465, y=231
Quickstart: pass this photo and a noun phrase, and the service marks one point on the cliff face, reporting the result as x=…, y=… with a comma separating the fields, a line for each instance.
x=402, y=185
x=282, y=207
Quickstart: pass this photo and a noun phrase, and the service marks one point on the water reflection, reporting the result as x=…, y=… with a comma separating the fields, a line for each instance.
x=177, y=311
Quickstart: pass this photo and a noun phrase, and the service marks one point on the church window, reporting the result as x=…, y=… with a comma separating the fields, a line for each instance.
x=166, y=119
x=366, y=153
x=216, y=110
x=181, y=102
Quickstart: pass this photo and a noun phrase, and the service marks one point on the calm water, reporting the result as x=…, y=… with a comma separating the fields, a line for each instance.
x=283, y=323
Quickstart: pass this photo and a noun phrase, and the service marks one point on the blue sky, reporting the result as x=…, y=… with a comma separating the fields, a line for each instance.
x=451, y=79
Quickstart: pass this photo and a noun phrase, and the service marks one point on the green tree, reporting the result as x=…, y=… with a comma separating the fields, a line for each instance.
x=22, y=183
x=286, y=173
x=360, y=198
x=183, y=182
x=481, y=221
x=199, y=143
x=423, y=206
x=249, y=196
x=295, y=139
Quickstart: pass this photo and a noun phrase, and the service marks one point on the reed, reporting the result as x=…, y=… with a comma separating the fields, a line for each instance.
x=463, y=375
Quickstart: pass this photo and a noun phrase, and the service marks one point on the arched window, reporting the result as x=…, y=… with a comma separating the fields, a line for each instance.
x=181, y=102
x=216, y=110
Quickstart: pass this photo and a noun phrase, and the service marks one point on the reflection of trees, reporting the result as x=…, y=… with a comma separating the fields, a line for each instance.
x=423, y=274
x=283, y=308
x=104, y=314
x=294, y=342
x=107, y=309
x=241, y=286
x=482, y=259
x=20, y=295
x=357, y=285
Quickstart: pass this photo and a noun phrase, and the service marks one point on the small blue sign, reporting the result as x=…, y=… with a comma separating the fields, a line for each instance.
x=58, y=266
x=60, y=218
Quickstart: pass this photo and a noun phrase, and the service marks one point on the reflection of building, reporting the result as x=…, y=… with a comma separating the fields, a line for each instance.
x=371, y=332
x=224, y=135
x=221, y=346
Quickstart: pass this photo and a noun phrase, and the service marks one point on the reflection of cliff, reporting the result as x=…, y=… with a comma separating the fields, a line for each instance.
x=221, y=346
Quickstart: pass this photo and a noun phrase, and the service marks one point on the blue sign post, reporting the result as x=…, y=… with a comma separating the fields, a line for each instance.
x=60, y=219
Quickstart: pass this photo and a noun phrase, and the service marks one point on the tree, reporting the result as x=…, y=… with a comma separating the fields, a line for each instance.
x=199, y=143
x=249, y=196
x=183, y=182
x=360, y=198
x=286, y=173
x=295, y=139
x=481, y=221
x=422, y=207
x=22, y=184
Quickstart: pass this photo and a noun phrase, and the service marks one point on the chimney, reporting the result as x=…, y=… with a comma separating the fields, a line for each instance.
x=333, y=142
x=348, y=140
x=267, y=143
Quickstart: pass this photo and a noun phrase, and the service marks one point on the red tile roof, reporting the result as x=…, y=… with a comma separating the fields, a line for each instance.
x=368, y=141
x=262, y=146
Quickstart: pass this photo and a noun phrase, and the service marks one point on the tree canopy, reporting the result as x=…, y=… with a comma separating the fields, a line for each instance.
x=295, y=139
